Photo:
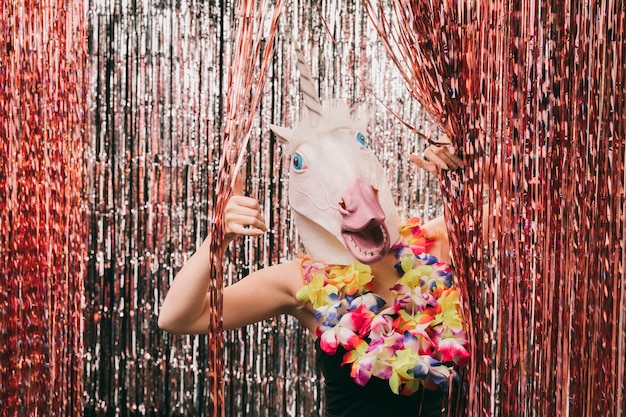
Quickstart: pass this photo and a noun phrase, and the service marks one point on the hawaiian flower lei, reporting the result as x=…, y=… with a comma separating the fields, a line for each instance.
x=415, y=341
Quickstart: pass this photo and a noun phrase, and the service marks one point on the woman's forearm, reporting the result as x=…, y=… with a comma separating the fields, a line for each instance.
x=184, y=307
x=186, y=299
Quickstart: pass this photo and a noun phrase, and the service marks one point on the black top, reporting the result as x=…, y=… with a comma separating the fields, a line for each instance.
x=346, y=398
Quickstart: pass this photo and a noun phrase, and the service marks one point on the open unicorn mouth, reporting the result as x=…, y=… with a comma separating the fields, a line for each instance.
x=368, y=245
x=363, y=226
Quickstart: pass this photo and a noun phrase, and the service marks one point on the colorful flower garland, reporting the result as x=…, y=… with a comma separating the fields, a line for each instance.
x=411, y=343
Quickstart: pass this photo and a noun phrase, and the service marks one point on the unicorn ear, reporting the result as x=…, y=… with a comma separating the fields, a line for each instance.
x=284, y=134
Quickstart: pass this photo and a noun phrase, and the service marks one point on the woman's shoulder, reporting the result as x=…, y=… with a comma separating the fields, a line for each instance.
x=263, y=294
x=286, y=276
x=291, y=275
x=436, y=231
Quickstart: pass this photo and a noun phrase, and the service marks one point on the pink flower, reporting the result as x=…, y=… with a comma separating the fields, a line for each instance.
x=415, y=237
x=347, y=332
x=420, y=341
x=454, y=350
x=382, y=324
x=376, y=361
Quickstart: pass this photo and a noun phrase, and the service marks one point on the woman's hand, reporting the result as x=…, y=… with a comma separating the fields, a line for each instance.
x=186, y=308
x=438, y=158
x=242, y=215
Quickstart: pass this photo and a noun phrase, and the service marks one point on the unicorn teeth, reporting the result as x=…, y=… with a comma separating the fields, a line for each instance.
x=371, y=252
x=364, y=252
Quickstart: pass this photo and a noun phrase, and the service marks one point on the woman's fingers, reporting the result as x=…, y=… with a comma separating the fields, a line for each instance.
x=237, y=201
x=423, y=164
x=448, y=155
x=242, y=216
x=245, y=225
x=433, y=155
x=438, y=158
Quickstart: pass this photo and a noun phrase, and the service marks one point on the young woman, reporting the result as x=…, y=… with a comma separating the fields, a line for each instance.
x=384, y=325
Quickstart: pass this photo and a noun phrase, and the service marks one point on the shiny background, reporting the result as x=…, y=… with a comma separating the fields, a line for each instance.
x=43, y=235
x=159, y=94
x=111, y=128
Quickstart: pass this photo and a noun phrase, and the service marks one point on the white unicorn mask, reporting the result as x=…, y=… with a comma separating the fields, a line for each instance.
x=338, y=191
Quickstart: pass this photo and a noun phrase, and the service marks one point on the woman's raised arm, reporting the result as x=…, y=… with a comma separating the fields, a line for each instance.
x=185, y=308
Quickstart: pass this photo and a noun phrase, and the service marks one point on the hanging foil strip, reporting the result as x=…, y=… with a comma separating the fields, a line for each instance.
x=532, y=93
x=43, y=108
x=159, y=75
x=544, y=287
x=253, y=43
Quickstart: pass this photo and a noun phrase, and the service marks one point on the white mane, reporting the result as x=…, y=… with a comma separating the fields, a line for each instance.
x=336, y=114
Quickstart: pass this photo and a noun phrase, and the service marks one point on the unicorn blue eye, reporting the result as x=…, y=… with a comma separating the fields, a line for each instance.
x=361, y=139
x=298, y=162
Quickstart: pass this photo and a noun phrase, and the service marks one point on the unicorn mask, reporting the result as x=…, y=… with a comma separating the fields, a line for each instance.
x=338, y=190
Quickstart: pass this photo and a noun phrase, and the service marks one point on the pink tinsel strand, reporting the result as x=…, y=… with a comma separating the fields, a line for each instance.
x=42, y=123
x=246, y=87
x=537, y=118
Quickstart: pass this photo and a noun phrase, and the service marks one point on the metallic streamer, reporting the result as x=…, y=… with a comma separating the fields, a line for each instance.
x=146, y=179
x=43, y=86
x=245, y=89
x=159, y=77
x=532, y=93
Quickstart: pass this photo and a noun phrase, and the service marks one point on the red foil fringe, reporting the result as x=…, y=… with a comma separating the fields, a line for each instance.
x=245, y=89
x=43, y=85
x=532, y=94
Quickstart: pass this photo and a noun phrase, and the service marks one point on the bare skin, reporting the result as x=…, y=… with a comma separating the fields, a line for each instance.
x=266, y=293
x=438, y=158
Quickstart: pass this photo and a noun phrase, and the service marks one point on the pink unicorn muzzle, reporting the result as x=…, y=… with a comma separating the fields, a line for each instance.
x=363, y=225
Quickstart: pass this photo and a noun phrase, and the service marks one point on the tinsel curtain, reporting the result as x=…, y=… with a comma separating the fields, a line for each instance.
x=165, y=70
x=246, y=84
x=43, y=117
x=96, y=218
x=532, y=94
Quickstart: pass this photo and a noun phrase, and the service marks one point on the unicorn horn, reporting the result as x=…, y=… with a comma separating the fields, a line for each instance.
x=309, y=92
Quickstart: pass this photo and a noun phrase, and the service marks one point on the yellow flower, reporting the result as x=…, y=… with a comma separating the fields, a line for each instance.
x=317, y=292
x=449, y=314
x=352, y=279
x=405, y=361
x=411, y=278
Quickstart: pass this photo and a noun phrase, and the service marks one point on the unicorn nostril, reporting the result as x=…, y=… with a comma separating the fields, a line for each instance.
x=342, y=206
